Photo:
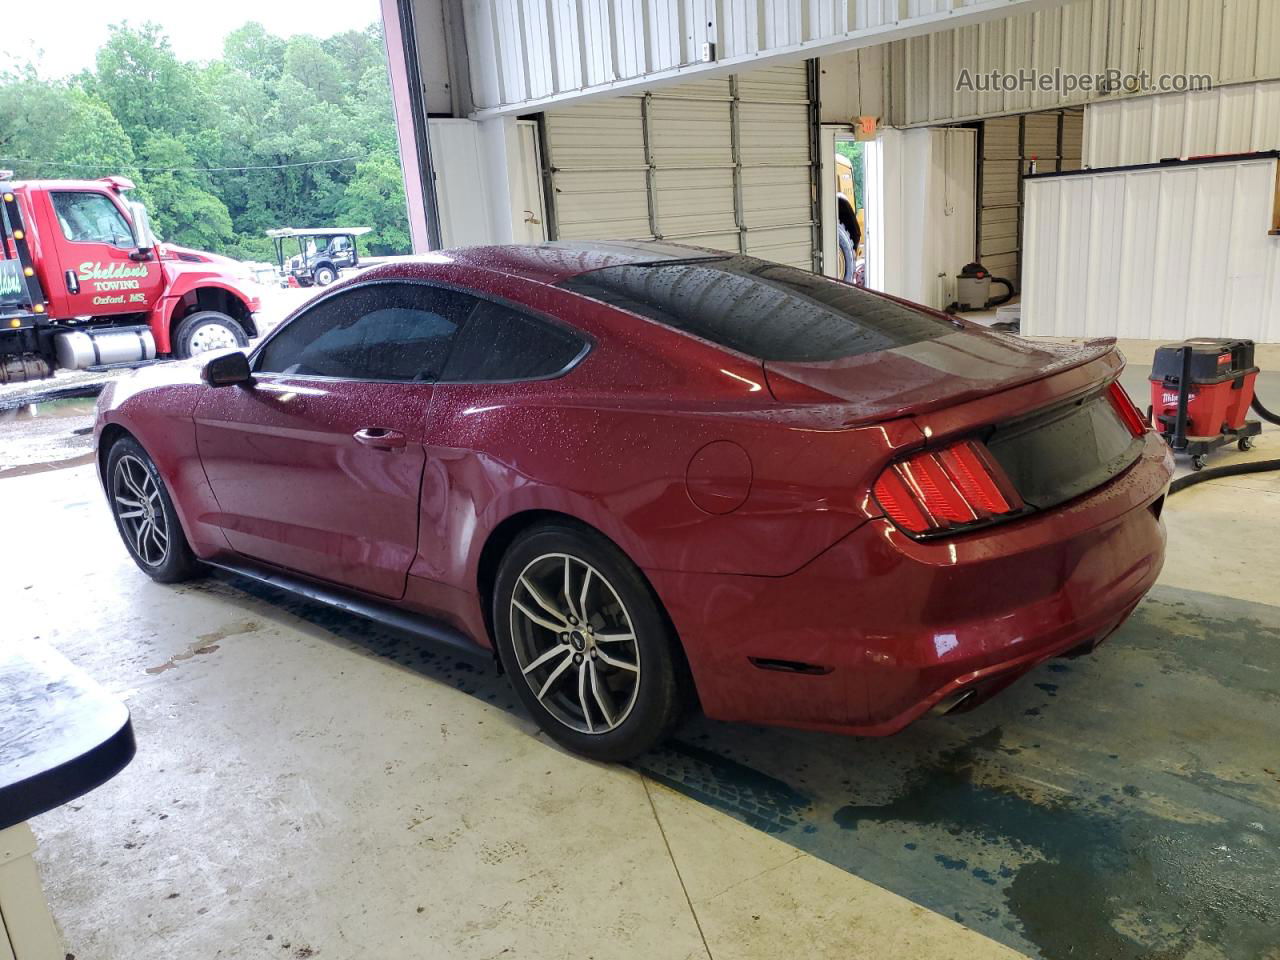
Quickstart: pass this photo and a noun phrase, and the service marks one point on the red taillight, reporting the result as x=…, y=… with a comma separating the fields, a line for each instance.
x=1129, y=414
x=954, y=487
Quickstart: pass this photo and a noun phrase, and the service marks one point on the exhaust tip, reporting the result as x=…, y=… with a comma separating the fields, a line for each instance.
x=952, y=702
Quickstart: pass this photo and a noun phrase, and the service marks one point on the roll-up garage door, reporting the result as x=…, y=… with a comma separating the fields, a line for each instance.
x=725, y=163
x=1053, y=139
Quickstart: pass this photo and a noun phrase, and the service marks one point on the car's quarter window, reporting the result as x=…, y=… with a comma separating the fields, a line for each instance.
x=764, y=310
x=499, y=343
x=382, y=331
x=87, y=217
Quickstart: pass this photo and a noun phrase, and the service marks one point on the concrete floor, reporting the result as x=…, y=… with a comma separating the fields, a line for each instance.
x=310, y=785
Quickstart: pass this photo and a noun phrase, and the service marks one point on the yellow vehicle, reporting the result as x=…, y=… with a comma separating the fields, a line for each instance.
x=851, y=225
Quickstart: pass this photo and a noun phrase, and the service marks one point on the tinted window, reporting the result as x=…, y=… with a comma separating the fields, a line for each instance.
x=91, y=218
x=762, y=309
x=498, y=343
x=385, y=331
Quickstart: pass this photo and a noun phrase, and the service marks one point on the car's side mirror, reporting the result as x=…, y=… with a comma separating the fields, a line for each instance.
x=227, y=370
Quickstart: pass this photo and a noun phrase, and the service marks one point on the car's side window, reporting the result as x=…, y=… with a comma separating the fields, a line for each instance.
x=87, y=217
x=499, y=343
x=384, y=331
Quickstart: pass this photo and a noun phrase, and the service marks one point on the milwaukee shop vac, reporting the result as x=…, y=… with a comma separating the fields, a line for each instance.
x=1201, y=392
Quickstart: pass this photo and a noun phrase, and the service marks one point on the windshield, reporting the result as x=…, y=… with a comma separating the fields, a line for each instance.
x=764, y=310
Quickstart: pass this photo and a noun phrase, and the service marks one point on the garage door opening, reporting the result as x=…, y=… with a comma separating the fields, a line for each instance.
x=851, y=197
x=848, y=204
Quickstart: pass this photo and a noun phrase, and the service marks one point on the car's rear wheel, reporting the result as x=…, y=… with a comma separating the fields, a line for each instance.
x=585, y=643
x=205, y=331
x=145, y=516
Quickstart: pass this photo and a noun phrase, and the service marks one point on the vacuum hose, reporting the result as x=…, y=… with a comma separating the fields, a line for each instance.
x=1004, y=297
x=1235, y=469
x=1263, y=412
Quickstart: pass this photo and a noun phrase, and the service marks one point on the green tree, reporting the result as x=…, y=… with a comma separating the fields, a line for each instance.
x=147, y=88
x=306, y=61
x=296, y=132
x=53, y=130
x=375, y=198
x=182, y=209
x=254, y=52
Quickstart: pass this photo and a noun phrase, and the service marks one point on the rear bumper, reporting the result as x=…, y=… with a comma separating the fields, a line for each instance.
x=880, y=628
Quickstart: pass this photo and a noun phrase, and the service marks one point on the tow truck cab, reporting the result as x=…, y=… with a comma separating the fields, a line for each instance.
x=84, y=283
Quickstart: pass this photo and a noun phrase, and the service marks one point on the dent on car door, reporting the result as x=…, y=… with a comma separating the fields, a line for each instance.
x=317, y=466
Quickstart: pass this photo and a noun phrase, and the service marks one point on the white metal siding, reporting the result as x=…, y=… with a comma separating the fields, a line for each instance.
x=525, y=53
x=1238, y=119
x=1234, y=41
x=1157, y=253
x=920, y=212
x=722, y=163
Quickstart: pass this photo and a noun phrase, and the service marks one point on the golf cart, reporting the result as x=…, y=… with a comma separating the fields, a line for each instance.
x=322, y=252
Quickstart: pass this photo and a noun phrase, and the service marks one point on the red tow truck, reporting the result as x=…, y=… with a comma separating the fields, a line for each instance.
x=84, y=284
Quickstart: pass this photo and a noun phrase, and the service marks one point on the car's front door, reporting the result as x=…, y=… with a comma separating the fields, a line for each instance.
x=100, y=276
x=317, y=466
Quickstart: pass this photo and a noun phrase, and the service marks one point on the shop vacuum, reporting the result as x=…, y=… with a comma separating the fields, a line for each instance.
x=1201, y=392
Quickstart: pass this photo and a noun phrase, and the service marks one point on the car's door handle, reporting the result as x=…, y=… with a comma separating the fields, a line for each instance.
x=380, y=438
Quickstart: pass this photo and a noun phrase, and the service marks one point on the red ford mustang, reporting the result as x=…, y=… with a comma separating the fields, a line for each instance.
x=648, y=476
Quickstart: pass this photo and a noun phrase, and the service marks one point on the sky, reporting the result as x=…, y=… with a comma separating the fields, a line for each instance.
x=62, y=36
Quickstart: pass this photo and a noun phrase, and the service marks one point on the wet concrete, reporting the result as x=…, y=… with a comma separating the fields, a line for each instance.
x=1125, y=805
x=1122, y=806
x=46, y=436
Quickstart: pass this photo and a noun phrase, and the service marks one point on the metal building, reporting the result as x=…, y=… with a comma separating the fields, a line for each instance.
x=714, y=122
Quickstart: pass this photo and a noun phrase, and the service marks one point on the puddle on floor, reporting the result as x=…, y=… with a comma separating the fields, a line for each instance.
x=53, y=435
x=65, y=407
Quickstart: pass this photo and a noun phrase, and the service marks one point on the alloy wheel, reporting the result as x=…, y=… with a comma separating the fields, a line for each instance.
x=575, y=643
x=136, y=499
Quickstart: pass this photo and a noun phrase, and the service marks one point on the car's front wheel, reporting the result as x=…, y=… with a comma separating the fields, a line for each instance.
x=145, y=516
x=585, y=643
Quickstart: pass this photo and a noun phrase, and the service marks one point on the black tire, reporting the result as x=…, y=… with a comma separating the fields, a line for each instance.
x=177, y=563
x=653, y=700
x=1245, y=443
x=848, y=255
x=324, y=275
x=207, y=330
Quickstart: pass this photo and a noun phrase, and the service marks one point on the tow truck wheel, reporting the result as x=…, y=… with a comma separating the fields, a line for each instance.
x=205, y=331
x=325, y=275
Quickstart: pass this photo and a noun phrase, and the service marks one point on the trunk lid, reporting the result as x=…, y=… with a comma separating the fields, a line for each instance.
x=929, y=374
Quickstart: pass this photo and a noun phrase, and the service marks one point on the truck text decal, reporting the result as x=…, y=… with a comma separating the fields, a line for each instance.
x=115, y=276
x=116, y=271
x=10, y=278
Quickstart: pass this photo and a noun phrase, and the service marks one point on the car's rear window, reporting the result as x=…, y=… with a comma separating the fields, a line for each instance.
x=761, y=309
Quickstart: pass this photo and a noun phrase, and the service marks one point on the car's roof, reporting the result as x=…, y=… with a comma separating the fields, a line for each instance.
x=554, y=262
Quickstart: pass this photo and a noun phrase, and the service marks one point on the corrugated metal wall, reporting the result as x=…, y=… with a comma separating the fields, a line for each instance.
x=724, y=163
x=1010, y=145
x=525, y=52
x=1157, y=253
x=1238, y=119
x=1234, y=41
